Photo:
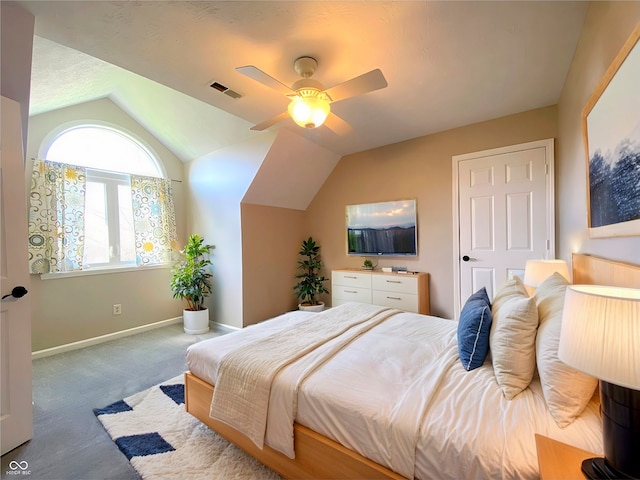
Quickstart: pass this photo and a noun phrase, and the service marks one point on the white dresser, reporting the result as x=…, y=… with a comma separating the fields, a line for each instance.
x=405, y=291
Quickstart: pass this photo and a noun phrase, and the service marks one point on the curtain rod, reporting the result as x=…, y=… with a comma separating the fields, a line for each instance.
x=33, y=159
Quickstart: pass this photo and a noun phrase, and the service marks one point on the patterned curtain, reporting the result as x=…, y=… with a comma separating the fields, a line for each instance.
x=56, y=217
x=154, y=220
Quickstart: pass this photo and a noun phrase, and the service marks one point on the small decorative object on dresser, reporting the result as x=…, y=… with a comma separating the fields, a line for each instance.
x=310, y=283
x=409, y=291
x=191, y=281
x=368, y=264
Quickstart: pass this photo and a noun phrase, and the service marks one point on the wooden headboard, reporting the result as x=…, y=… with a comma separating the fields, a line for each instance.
x=591, y=270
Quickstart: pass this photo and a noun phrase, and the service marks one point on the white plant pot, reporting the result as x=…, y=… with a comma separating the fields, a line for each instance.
x=196, y=321
x=312, y=308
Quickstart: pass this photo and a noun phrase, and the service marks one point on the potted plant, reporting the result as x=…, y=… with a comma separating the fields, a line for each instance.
x=310, y=283
x=191, y=281
x=368, y=264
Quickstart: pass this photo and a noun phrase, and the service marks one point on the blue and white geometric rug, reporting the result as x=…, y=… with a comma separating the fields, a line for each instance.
x=162, y=441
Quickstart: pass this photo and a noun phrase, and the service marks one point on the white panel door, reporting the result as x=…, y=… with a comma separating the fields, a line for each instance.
x=16, y=411
x=505, y=215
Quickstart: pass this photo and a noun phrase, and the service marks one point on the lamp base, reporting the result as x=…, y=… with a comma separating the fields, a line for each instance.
x=598, y=469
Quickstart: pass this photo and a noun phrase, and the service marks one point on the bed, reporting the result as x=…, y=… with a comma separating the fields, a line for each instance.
x=391, y=400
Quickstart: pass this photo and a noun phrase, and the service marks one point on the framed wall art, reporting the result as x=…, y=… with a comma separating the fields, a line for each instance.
x=611, y=131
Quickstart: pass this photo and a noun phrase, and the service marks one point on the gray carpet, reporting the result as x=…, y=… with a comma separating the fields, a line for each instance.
x=68, y=441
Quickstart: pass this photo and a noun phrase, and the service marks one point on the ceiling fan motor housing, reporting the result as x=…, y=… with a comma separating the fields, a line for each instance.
x=307, y=84
x=305, y=66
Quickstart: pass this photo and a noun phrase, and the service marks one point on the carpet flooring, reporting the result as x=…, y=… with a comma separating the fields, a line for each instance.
x=69, y=443
x=162, y=441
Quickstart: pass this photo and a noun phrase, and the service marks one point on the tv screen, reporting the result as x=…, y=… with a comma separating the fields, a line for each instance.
x=385, y=228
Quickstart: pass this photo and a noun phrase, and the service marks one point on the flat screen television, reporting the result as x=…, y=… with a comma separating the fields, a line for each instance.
x=384, y=228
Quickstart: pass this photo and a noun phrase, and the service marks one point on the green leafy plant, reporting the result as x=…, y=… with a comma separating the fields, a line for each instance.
x=191, y=279
x=311, y=283
x=367, y=264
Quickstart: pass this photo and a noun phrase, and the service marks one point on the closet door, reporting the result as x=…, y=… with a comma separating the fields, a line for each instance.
x=505, y=215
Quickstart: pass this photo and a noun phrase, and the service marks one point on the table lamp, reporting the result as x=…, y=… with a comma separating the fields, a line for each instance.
x=537, y=271
x=600, y=336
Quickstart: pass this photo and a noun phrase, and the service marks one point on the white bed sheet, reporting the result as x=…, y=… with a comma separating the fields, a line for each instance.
x=467, y=428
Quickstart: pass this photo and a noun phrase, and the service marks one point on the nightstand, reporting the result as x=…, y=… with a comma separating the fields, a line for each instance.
x=559, y=461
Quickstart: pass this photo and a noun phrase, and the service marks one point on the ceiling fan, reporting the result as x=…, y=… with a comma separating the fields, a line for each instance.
x=310, y=101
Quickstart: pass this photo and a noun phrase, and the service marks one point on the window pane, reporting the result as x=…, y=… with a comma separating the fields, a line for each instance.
x=96, y=247
x=127, y=234
x=104, y=149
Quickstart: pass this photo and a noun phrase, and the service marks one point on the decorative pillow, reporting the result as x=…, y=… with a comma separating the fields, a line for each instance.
x=510, y=289
x=566, y=390
x=513, y=343
x=473, y=330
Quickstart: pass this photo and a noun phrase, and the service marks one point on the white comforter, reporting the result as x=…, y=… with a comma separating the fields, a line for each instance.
x=466, y=428
x=245, y=382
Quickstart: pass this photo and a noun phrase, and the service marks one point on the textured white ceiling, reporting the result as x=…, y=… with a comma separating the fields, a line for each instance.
x=189, y=127
x=448, y=63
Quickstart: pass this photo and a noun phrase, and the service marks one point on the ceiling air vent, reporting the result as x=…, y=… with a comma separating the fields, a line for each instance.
x=221, y=88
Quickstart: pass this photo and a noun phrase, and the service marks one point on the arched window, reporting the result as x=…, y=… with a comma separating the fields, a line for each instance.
x=103, y=148
x=108, y=205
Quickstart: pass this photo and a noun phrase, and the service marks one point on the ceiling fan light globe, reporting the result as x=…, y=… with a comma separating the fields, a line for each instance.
x=309, y=112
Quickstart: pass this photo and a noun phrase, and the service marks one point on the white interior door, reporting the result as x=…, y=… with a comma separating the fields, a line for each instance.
x=16, y=410
x=505, y=215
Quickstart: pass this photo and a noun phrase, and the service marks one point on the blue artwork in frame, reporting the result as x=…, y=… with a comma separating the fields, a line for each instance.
x=611, y=129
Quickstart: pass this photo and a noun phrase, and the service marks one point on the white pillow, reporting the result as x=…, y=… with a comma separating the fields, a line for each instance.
x=513, y=344
x=509, y=289
x=566, y=390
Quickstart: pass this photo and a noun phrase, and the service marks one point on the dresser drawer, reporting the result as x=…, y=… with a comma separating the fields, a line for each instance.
x=409, y=292
x=350, y=294
x=351, y=279
x=402, y=301
x=396, y=283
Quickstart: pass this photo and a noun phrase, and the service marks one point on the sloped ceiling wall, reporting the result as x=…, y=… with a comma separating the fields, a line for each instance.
x=292, y=172
x=217, y=183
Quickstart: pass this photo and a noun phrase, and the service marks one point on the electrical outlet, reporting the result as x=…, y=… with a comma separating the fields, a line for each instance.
x=117, y=309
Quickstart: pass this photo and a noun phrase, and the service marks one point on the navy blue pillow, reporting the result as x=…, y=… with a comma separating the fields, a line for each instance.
x=473, y=330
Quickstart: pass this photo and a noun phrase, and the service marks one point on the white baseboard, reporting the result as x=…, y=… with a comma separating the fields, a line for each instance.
x=102, y=338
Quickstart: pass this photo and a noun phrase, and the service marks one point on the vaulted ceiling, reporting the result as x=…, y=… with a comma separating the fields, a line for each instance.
x=447, y=63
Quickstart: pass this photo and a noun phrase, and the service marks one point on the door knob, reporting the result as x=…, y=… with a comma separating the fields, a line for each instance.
x=17, y=292
x=466, y=258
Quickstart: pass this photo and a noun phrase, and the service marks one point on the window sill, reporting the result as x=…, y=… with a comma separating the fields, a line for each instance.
x=102, y=271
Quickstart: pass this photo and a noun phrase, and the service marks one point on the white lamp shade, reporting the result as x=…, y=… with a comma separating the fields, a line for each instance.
x=537, y=271
x=600, y=333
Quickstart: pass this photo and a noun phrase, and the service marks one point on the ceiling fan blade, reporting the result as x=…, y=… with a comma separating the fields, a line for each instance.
x=265, y=79
x=272, y=121
x=337, y=125
x=367, y=82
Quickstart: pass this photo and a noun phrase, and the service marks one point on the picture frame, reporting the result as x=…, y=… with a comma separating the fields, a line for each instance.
x=611, y=133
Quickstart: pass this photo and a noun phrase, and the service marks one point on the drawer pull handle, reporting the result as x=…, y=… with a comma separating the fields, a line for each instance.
x=350, y=291
x=350, y=276
x=394, y=298
x=394, y=281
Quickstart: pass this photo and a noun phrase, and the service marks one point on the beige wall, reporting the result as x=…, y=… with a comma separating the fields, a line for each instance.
x=271, y=238
x=68, y=310
x=422, y=169
x=607, y=26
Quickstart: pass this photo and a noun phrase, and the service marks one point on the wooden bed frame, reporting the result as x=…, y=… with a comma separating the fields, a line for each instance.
x=318, y=457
